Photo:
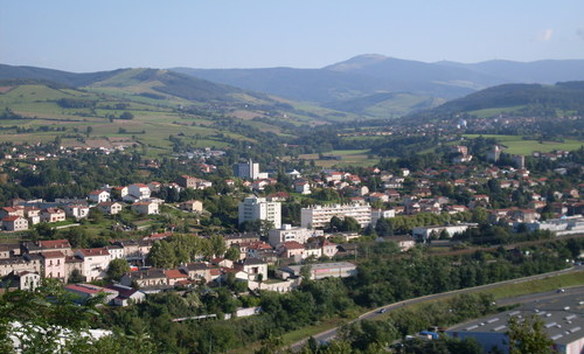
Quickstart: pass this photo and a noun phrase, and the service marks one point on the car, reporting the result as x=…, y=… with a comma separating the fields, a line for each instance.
x=561, y=290
x=383, y=310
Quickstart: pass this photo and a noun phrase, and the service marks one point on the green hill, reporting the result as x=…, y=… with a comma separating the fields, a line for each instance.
x=515, y=99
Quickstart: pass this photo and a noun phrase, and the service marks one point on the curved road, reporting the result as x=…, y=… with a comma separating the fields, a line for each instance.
x=331, y=333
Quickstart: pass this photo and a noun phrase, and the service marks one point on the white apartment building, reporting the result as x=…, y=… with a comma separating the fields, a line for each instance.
x=288, y=233
x=254, y=208
x=319, y=215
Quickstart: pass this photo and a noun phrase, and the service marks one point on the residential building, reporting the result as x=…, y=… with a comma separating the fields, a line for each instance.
x=247, y=170
x=147, y=278
x=126, y=295
x=52, y=215
x=54, y=265
x=99, y=196
x=288, y=233
x=95, y=262
x=110, y=208
x=145, y=208
x=254, y=208
x=137, y=191
x=302, y=186
x=192, y=205
x=76, y=211
x=27, y=262
x=20, y=280
x=186, y=181
x=377, y=214
x=254, y=268
x=14, y=223
x=319, y=215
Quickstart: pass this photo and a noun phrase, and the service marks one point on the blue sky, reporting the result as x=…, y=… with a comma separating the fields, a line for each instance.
x=106, y=34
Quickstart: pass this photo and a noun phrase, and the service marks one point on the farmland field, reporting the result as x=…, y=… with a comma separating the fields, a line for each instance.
x=517, y=145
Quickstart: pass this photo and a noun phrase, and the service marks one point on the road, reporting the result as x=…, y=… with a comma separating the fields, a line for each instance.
x=330, y=334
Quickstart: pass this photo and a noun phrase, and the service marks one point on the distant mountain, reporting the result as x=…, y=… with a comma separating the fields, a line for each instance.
x=172, y=89
x=58, y=76
x=365, y=77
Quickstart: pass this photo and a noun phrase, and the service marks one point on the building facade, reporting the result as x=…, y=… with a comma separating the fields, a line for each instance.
x=254, y=208
x=319, y=215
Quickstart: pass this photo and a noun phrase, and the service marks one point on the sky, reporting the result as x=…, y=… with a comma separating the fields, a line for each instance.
x=85, y=36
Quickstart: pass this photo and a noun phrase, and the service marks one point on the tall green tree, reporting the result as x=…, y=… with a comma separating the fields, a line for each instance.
x=528, y=336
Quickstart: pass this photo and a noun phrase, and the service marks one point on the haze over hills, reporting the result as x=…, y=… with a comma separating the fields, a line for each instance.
x=363, y=78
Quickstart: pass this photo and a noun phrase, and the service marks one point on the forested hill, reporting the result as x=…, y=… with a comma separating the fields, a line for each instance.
x=528, y=98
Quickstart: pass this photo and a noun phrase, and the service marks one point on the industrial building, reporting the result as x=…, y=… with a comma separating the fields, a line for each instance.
x=562, y=315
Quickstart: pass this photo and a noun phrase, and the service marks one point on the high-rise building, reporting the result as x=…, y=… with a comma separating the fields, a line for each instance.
x=248, y=169
x=254, y=208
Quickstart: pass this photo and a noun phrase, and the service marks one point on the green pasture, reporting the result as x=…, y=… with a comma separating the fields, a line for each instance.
x=517, y=145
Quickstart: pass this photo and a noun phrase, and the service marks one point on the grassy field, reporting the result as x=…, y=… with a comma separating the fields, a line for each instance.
x=357, y=158
x=537, y=286
x=491, y=112
x=516, y=145
x=155, y=120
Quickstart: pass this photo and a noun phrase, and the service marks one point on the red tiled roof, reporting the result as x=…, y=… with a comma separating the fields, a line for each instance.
x=53, y=254
x=55, y=244
x=174, y=274
x=88, y=252
x=11, y=218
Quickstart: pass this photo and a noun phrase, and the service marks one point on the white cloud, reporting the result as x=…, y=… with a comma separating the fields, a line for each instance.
x=545, y=35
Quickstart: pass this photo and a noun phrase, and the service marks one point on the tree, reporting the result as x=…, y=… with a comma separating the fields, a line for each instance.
x=528, y=336
x=232, y=253
x=306, y=272
x=162, y=255
x=126, y=115
x=117, y=268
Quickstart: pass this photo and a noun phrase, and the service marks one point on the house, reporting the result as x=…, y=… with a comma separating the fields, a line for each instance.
x=52, y=215
x=126, y=295
x=119, y=192
x=61, y=245
x=147, y=278
x=14, y=223
x=99, y=196
x=154, y=186
x=110, y=208
x=27, y=262
x=197, y=271
x=175, y=276
x=137, y=191
x=302, y=186
x=192, y=205
x=76, y=211
x=54, y=265
x=9, y=250
x=115, y=251
x=95, y=262
x=246, y=237
x=20, y=280
x=290, y=249
x=33, y=215
x=186, y=181
x=11, y=211
x=146, y=208
x=254, y=268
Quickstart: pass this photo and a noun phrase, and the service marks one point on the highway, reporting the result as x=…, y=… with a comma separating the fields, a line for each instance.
x=330, y=334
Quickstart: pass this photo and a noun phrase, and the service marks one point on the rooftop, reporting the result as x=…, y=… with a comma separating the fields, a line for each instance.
x=563, y=317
